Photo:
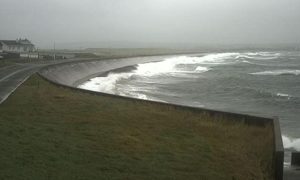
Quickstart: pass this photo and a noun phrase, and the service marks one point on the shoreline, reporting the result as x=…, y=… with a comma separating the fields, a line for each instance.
x=278, y=140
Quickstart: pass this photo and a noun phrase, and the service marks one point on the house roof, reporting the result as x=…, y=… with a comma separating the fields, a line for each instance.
x=9, y=42
x=16, y=42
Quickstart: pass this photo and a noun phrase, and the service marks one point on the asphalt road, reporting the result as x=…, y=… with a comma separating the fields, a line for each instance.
x=14, y=75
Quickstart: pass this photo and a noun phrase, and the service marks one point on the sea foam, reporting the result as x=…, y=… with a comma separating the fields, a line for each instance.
x=169, y=66
x=291, y=143
x=279, y=72
x=179, y=66
x=284, y=95
x=258, y=55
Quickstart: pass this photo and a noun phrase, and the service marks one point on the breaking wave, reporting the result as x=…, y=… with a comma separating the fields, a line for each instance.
x=105, y=84
x=291, y=143
x=284, y=95
x=180, y=67
x=176, y=66
x=278, y=72
x=202, y=69
x=259, y=55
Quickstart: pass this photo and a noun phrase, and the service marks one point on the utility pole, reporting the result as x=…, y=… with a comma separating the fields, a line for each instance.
x=38, y=54
x=54, y=55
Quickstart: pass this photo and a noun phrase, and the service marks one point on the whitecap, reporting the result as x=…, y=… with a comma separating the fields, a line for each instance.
x=278, y=72
x=244, y=61
x=291, y=143
x=286, y=164
x=170, y=65
x=269, y=54
x=105, y=84
x=139, y=96
x=202, y=69
x=283, y=95
x=259, y=55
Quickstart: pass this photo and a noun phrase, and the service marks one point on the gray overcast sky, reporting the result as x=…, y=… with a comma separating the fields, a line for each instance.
x=155, y=21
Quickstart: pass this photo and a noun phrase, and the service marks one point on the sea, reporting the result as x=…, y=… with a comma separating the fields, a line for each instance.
x=265, y=83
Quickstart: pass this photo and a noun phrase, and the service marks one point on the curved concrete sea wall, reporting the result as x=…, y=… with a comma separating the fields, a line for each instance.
x=70, y=75
x=75, y=73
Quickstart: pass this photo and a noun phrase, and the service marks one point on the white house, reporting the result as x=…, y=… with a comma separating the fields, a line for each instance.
x=16, y=46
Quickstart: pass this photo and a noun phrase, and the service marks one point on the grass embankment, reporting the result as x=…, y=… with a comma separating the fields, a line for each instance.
x=48, y=132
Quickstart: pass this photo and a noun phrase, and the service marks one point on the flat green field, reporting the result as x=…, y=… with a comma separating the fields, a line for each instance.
x=49, y=132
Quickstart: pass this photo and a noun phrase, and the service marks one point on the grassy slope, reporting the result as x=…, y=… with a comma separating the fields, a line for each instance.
x=47, y=132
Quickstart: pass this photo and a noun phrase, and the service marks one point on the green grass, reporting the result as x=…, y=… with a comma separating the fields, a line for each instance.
x=48, y=132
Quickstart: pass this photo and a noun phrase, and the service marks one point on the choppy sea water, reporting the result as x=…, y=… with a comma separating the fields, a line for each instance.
x=259, y=83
